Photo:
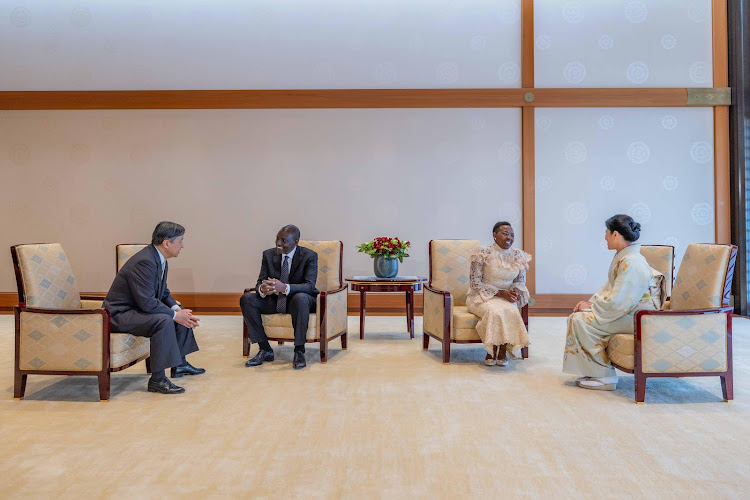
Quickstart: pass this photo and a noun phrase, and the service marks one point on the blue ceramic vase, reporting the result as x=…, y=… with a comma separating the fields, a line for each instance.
x=385, y=267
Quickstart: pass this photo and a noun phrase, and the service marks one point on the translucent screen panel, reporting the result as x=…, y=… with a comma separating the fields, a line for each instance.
x=623, y=43
x=655, y=164
x=92, y=179
x=259, y=44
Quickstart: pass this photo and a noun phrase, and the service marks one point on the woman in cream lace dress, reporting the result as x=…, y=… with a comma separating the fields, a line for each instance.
x=497, y=290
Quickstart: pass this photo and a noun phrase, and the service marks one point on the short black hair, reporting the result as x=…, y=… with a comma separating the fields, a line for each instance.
x=498, y=224
x=291, y=229
x=166, y=230
x=625, y=225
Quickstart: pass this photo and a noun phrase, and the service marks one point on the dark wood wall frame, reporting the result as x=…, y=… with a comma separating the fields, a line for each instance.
x=739, y=137
x=527, y=97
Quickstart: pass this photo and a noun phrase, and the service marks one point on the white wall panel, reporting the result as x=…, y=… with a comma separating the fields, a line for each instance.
x=623, y=43
x=259, y=44
x=654, y=164
x=92, y=179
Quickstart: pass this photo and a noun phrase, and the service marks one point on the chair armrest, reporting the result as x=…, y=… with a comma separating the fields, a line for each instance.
x=437, y=314
x=332, y=311
x=687, y=312
x=436, y=290
x=248, y=290
x=330, y=292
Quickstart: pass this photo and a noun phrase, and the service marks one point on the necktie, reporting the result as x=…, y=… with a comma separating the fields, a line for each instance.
x=281, y=302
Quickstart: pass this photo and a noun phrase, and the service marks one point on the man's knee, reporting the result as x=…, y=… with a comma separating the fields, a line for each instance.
x=249, y=300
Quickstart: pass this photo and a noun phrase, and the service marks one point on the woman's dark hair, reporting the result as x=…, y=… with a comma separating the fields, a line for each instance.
x=166, y=230
x=625, y=225
x=498, y=224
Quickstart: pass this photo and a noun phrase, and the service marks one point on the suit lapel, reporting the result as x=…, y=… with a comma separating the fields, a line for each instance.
x=295, y=260
x=276, y=261
x=159, y=281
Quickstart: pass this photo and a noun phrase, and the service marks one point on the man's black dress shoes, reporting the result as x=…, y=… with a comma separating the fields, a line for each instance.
x=164, y=386
x=299, y=360
x=186, y=369
x=260, y=358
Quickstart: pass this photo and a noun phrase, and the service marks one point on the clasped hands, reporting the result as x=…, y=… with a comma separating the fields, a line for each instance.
x=511, y=295
x=582, y=305
x=185, y=318
x=272, y=286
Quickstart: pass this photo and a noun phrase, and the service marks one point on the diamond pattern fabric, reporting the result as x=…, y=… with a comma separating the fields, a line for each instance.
x=661, y=258
x=433, y=313
x=449, y=266
x=329, y=258
x=695, y=343
x=621, y=350
x=48, y=279
x=47, y=343
x=125, y=252
x=700, y=279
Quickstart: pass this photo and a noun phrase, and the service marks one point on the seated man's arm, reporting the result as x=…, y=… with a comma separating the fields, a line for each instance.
x=141, y=280
x=311, y=276
x=263, y=275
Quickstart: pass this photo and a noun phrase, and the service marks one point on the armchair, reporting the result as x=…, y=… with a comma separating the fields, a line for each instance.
x=692, y=335
x=330, y=319
x=60, y=332
x=445, y=315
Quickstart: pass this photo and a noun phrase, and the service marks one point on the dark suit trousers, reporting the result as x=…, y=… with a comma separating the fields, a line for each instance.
x=299, y=305
x=169, y=340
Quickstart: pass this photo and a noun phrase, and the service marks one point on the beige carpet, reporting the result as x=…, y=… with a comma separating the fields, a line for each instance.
x=383, y=419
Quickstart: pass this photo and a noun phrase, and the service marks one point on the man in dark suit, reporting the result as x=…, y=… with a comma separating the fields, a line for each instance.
x=286, y=284
x=140, y=304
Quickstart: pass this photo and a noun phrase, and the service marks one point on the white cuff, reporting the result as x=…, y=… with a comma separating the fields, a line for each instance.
x=286, y=292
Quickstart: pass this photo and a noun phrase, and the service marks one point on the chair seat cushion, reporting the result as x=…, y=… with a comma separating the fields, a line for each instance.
x=464, y=324
x=125, y=348
x=279, y=326
x=621, y=350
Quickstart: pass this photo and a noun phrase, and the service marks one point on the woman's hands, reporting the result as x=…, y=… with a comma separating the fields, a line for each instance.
x=511, y=295
x=581, y=306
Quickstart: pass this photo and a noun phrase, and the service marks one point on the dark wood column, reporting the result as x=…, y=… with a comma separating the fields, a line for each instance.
x=739, y=126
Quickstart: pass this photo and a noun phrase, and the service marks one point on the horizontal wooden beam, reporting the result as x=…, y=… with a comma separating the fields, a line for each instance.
x=344, y=98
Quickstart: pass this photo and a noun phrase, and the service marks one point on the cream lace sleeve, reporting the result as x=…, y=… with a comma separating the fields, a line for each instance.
x=519, y=283
x=482, y=289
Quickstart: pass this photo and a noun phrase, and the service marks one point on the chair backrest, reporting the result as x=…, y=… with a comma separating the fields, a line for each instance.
x=124, y=252
x=330, y=262
x=704, y=280
x=450, y=261
x=661, y=258
x=44, y=277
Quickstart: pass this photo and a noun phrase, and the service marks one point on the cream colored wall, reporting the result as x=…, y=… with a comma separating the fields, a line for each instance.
x=92, y=179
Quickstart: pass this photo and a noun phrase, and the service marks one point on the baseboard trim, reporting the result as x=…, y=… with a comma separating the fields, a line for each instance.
x=378, y=304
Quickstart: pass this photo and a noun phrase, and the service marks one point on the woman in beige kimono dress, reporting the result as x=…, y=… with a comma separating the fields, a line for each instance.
x=497, y=289
x=610, y=310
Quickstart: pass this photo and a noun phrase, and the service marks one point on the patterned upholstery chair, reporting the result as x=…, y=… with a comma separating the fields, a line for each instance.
x=692, y=335
x=330, y=319
x=60, y=332
x=124, y=251
x=445, y=315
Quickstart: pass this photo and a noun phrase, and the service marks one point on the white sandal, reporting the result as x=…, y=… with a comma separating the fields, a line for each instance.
x=596, y=384
x=489, y=360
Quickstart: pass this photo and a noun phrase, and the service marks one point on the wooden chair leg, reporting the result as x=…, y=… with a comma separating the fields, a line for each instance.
x=640, y=388
x=425, y=341
x=323, y=350
x=245, y=340
x=446, y=351
x=525, y=352
x=727, y=387
x=281, y=342
x=19, y=384
x=344, y=340
x=104, y=386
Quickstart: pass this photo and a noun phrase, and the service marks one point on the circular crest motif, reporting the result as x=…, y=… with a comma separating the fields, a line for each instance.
x=606, y=122
x=509, y=72
x=669, y=42
x=543, y=184
x=509, y=153
x=702, y=214
x=637, y=72
x=701, y=152
x=574, y=72
x=479, y=42
x=606, y=42
x=19, y=154
x=575, y=275
x=699, y=10
x=543, y=122
x=446, y=73
x=639, y=152
x=543, y=42
x=80, y=17
x=385, y=73
x=20, y=17
x=576, y=213
x=575, y=152
x=607, y=183
x=640, y=212
x=669, y=122
x=573, y=12
x=671, y=183
x=636, y=11
x=700, y=72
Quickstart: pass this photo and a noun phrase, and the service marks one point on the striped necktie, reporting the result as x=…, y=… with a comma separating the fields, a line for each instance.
x=281, y=301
